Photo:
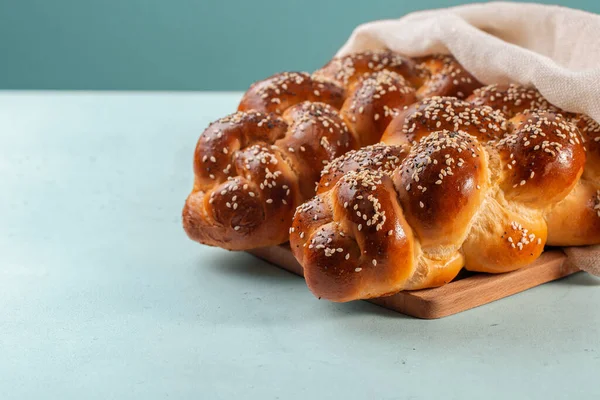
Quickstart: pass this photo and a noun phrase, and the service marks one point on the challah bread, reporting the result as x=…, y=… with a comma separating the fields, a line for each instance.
x=510, y=99
x=575, y=220
x=445, y=77
x=254, y=167
x=444, y=113
x=453, y=201
x=279, y=92
x=248, y=168
x=347, y=69
x=373, y=101
x=377, y=157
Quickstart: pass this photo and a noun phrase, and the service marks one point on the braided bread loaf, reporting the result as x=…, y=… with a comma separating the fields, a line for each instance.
x=253, y=168
x=575, y=220
x=457, y=185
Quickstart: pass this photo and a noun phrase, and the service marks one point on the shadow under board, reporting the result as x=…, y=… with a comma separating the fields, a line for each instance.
x=468, y=290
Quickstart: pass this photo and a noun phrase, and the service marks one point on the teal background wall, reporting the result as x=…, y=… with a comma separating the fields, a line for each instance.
x=180, y=44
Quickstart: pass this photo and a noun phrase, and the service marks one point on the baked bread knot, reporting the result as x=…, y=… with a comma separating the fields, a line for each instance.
x=377, y=157
x=444, y=76
x=444, y=113
x=345, y=70
x=253, y=169
x=287, y=128
x=374, y=100
x=452, y=201
x=575, y=220
x=510, y=99
x=279, y=92
x=533, y=169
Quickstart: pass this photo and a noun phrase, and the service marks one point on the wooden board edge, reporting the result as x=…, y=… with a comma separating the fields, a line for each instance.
x=456, y=296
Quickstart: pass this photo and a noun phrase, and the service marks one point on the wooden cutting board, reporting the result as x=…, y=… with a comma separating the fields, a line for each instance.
x=467, y=291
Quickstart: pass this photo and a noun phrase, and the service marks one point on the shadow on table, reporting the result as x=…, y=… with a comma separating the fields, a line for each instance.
x=581, y=279
x=244, y=267
x=361, y=307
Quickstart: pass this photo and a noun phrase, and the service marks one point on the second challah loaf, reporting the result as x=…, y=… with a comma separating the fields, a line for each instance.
x=449, y=200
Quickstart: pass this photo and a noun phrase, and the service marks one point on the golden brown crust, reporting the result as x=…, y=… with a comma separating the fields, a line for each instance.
x=251, y=201
x=364, y=245
x=377, y=157
x=279, y=92
x=575, y=221
x=441, y=185
x=276, y=121
x=504, y=237
x=446, y=77
x=212, y=158
x=543, y=158
x=375, y=99
x=347, y=69
x=317, y=134
x=356, y=258
x=276, y=148
x=453, y=202
x=590, y=131
x=444, y=113
x=510, y=99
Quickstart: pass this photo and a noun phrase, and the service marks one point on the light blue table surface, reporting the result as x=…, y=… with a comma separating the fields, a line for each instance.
x=104, y=297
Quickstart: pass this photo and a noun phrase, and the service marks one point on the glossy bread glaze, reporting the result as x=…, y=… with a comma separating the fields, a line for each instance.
x=455, y=201
x=287, y=128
